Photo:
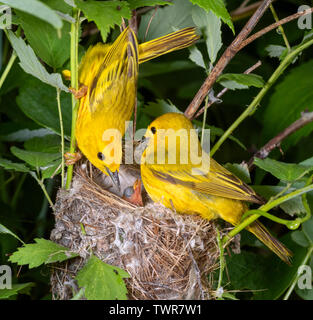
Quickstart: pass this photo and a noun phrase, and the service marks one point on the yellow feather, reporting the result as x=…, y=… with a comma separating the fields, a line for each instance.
x=205, y=188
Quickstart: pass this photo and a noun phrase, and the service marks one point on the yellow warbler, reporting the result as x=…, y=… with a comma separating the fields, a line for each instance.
x=190, y=186
x=108, y=74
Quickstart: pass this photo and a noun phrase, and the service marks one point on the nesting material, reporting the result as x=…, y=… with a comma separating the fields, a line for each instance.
x=168, y=256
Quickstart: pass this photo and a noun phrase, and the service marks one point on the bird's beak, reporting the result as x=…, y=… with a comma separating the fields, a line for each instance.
x=144, y=143
x=115, y=178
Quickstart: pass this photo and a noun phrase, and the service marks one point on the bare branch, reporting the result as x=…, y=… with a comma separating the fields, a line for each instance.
x=306, y=117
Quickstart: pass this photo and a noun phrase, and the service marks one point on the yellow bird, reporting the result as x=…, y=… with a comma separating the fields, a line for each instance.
x=108, y=77
x=176, y=172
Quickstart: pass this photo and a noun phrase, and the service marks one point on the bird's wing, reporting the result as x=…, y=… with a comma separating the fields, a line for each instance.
x=117, y=72
x=217, y=182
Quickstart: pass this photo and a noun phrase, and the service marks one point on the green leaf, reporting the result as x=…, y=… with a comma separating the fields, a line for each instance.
x=165, y=20
x=210, y=26
x=30, y=64
x=218, y=8
x=38, y=101
x=41, y=252
x=240, y=170
x=292, y=95
x=9, y=165
x=102, y=281
x=134, y=4
x=275, y=51
x=196, y=57
x=240, y=80
x=105, y=14
x=50, y=143
x=35, y=159
x=25, y=134
x=156, y=109
x=283, y=171
x=51, y=170
x=44, y=40
x=292, y=207
x=299, y=238
x=5, y=230
x=23, y=288
x=37, y=9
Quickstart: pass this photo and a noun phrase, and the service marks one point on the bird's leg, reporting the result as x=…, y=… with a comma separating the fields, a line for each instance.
x=80, y=93
x=72, y=158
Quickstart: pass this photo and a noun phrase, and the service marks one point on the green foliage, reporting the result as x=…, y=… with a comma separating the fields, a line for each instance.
x=133, y=4
x=292, y=96
x=210, y=26
x=41, y=252
x=218, y=8
x=30, y=63
x=108, y=283
x=5, y=230
x=21, y=288
x=283, y=171
x=37, y=9
x=52, y=48
x=105, y=14
x=240, y=81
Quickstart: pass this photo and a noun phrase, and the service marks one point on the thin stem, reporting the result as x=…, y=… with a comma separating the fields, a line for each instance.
x=294, y=282
x=74, y=84
x=43, y=188
x=204, y=118
x=222, y=259
x=266, y=207
x=17, y=191
x=62, y=136
x=256, y=101
x=280, y=28
x=7, y=68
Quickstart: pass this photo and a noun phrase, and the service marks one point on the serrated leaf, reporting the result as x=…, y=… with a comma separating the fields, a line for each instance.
x=196, y=57
x=9, y=165
x=218, y=8
x=210, y=26
x=38, y=101
x=240, y=80
x=165, y=20
x=105, y=14
x=275, y=51
x=35, y=159
x=102, y=281
x=41, y=252
x=5, y=230
x=292, y=95
x=281, y=170
x=44, y=40
x=134, y=4
x=30, y=63
x=240, y=170
x=23, y=288
x=37, y=9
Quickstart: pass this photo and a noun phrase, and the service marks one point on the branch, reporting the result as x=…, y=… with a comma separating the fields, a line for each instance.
x=306, y=117
x=274, y=26
x=221, y=93
x=229, y=53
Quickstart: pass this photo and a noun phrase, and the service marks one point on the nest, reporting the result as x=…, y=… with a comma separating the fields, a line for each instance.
x=168, y=256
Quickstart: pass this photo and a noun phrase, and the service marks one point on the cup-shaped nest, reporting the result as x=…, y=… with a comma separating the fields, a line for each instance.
x=167, y=255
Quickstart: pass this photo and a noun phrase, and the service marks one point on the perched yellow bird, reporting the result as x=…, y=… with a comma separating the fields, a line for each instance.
x=181, y=182
x=108, y=77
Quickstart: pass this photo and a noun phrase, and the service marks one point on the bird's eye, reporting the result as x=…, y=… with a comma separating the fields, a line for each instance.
x=100, y=156
x=153, y=130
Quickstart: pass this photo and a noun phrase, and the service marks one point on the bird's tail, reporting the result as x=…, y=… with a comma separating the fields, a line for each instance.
x=171, y=42
x=272, y=243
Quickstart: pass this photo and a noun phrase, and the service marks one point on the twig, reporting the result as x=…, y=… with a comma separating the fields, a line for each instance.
x=222, y=92
x=274, y=26
x=244, y=10
x=229, y=53
x=306, y=117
